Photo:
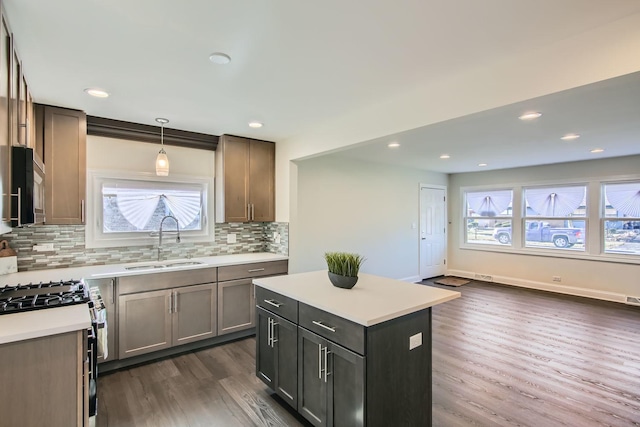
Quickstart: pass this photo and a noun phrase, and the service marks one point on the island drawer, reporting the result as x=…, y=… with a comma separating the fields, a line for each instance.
x=334, y=328
x=277, y=303
x=257, y=269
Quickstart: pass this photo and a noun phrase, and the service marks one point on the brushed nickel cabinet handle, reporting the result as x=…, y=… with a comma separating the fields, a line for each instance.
x=175, y=302
x=273, y=333
x=274, y=303
x=82, y=210
x=171, y=303
x=319, y=361
x=326, y=366
x=255, y=270
x=269, y=331
x=322, y=325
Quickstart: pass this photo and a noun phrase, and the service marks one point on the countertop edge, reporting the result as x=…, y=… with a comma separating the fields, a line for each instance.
x=68, y=319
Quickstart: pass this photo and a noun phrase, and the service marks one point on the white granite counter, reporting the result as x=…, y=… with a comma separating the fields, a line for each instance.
x=373, y=300
x=39, y=323
x=118, y=270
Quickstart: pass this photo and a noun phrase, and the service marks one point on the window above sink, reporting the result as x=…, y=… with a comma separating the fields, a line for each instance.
x=125, y=209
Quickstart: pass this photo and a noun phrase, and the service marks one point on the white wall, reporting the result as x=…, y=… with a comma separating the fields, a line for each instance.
x=594, y=277
x=134, y=156
x=346, y=205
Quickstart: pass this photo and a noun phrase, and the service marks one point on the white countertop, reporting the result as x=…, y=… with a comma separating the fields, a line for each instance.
x=118, y=270
x=372, y=300
x=39, y=323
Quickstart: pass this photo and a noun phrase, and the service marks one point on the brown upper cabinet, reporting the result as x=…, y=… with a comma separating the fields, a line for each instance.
x=63, y=136
x=245, y=180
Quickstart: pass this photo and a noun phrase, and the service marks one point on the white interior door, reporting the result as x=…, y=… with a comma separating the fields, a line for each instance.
x=433, y=239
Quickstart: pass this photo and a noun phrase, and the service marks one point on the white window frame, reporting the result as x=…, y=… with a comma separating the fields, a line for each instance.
x=465, y=216
x=96, y=238
x=604, y=219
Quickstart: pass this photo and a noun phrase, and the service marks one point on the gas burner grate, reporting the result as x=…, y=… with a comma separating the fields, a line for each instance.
x=19, y=298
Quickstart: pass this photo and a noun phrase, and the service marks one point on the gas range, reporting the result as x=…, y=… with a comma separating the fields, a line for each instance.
x=36, y=296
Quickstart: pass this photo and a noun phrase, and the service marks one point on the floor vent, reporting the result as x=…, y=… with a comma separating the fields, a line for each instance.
x=633, y=300
x=484, y=277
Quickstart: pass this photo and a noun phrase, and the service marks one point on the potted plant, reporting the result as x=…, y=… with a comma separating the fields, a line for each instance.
x=343, y=268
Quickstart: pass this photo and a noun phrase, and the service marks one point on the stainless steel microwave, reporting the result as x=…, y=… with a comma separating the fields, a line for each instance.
x=27, y=188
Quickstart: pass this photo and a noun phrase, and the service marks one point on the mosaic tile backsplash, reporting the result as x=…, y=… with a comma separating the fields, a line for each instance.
x=70, y=251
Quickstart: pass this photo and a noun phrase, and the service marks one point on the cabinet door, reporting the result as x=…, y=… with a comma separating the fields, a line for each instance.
x=5, y=128
x=65, y=136
x=262, y=158
x=346, y=387
x=312, y=377
x=194, y=313
x=236, y=179
x=285, y=335
x=236, y=306
x=265, y=352
x=144, y=323
x=277, y=355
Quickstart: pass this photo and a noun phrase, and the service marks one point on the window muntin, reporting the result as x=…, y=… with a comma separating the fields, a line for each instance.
x=621, y=222
x=486, y=213
x=555, y=217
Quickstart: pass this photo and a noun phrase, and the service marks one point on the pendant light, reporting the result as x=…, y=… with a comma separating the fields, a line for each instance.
x=162, y=161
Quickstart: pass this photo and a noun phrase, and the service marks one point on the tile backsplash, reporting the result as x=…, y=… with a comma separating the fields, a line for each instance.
x=70, y=251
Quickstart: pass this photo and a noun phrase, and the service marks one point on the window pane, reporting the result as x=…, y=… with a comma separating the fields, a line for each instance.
x=489, y=203
x=556, y=202
x=555, y=234
x=622, y=237
x=483, y=231
x=622, y=202
x=140, y=206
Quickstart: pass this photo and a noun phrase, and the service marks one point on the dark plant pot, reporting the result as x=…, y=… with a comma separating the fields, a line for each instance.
x=344, y=282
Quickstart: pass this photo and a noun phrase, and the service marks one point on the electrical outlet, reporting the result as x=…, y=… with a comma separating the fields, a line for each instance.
x=557, y=279
x=415, y=341
x=231, y=238
x=44, y=247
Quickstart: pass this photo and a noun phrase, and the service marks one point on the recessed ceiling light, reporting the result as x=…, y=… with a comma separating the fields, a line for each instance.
x=482, y=165
x=530, y=116
x=597, y=150
x=570, y=137
x=445, y=156
x=255, y=125
x=98, y=93
x=219, y=58
x=393, y=145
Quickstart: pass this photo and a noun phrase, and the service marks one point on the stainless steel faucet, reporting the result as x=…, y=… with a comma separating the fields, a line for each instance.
x=160, y=233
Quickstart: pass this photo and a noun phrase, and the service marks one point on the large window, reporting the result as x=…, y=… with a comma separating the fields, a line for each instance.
x=555, y=217
x=488, y=217
x=127, y=208
x=621, y=218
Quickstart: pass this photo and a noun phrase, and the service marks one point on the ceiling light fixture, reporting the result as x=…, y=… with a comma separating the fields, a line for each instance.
x=530, y=116
x=393, y=145
x=445, y=156
x=255, y=125
x=162, y=161
x=482, y=164
x=219, y=58
x=570, y=137
x=97, y=93
x=597, y=150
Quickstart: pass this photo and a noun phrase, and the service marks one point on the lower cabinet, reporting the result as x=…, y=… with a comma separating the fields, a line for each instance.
x=155, y=320
x=236, y=306
x=276, y=356
x=330, y=382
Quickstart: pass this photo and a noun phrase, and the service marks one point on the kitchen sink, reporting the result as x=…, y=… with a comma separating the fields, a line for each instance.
x=182, y=263
x=144, y=267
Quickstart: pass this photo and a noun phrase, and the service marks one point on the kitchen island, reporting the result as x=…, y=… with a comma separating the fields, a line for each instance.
x=356, y=357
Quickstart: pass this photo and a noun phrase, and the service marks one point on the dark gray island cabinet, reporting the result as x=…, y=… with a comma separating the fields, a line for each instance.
x=348, y=357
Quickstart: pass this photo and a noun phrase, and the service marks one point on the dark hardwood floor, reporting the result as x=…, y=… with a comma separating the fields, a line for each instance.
x=502, y=356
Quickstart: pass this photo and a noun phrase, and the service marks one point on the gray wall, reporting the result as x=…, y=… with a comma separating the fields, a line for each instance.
x=591, y=277
x=354, y=206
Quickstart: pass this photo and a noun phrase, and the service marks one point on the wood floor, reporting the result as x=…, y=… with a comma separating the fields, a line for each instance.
x=502, y=356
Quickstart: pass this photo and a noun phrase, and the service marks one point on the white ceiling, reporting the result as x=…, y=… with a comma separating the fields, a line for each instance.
x=299, y=65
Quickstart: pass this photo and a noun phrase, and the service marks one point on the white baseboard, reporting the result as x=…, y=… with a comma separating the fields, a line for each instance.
x=541, y=286
x=412, y=279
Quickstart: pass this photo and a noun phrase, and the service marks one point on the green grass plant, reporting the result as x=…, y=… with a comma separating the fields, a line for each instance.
x=344, y=263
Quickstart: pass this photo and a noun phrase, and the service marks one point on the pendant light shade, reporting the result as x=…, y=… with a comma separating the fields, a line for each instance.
x=162, y=161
